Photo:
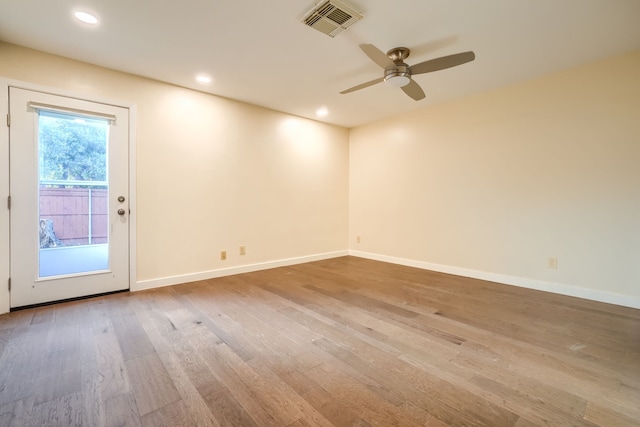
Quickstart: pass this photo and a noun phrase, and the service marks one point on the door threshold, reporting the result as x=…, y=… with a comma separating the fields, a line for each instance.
x=44, y=304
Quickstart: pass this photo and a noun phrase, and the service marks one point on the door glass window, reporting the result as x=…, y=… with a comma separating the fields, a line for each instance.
x=73, y=220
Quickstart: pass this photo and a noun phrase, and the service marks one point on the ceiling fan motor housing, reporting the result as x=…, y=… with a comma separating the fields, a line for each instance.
x=398, y=76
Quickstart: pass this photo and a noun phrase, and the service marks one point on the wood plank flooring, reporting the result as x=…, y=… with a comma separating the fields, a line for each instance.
x=341, y=342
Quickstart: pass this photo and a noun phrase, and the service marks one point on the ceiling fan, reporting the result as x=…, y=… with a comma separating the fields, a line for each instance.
x=398, y=74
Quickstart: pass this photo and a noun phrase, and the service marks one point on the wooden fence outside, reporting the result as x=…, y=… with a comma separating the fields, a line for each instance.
x=79, y=215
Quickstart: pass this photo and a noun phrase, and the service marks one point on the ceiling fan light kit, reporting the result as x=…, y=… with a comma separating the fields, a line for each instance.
x=398, y=74
x=395, y=78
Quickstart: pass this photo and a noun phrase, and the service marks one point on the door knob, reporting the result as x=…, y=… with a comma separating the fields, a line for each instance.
x=121, y=212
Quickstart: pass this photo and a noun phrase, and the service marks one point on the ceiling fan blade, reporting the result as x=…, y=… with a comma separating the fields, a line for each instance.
x=363, y=85
x=442, y=63
x=414, y=90
x=377, y=56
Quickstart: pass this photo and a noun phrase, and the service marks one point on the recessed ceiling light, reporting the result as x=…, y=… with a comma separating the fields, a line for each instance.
x=203, y=79
x=86, y=17
x=322, y=111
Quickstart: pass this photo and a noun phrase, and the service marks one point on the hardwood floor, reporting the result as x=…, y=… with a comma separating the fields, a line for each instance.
x=344, y=342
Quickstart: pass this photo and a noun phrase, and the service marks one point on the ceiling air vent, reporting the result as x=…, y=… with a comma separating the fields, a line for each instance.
x=331, y=17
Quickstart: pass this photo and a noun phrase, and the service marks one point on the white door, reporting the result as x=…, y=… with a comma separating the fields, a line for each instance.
x=69, y=190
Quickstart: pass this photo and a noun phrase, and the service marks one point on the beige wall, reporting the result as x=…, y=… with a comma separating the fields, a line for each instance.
x=489, y=186
x=214, y=174
x=493, y=185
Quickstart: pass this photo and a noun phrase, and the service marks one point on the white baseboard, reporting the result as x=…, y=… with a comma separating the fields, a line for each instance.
x=556, y=288
x=211, y=274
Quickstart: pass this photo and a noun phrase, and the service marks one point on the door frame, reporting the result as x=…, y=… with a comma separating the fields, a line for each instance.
x=5, y=261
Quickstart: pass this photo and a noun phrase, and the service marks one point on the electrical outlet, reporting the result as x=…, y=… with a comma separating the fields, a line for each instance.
x=552, y=262
x=223, y=255
x=243, y=251
x=357, y=239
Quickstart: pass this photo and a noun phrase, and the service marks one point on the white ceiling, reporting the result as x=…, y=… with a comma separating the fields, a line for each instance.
x=258, y=51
